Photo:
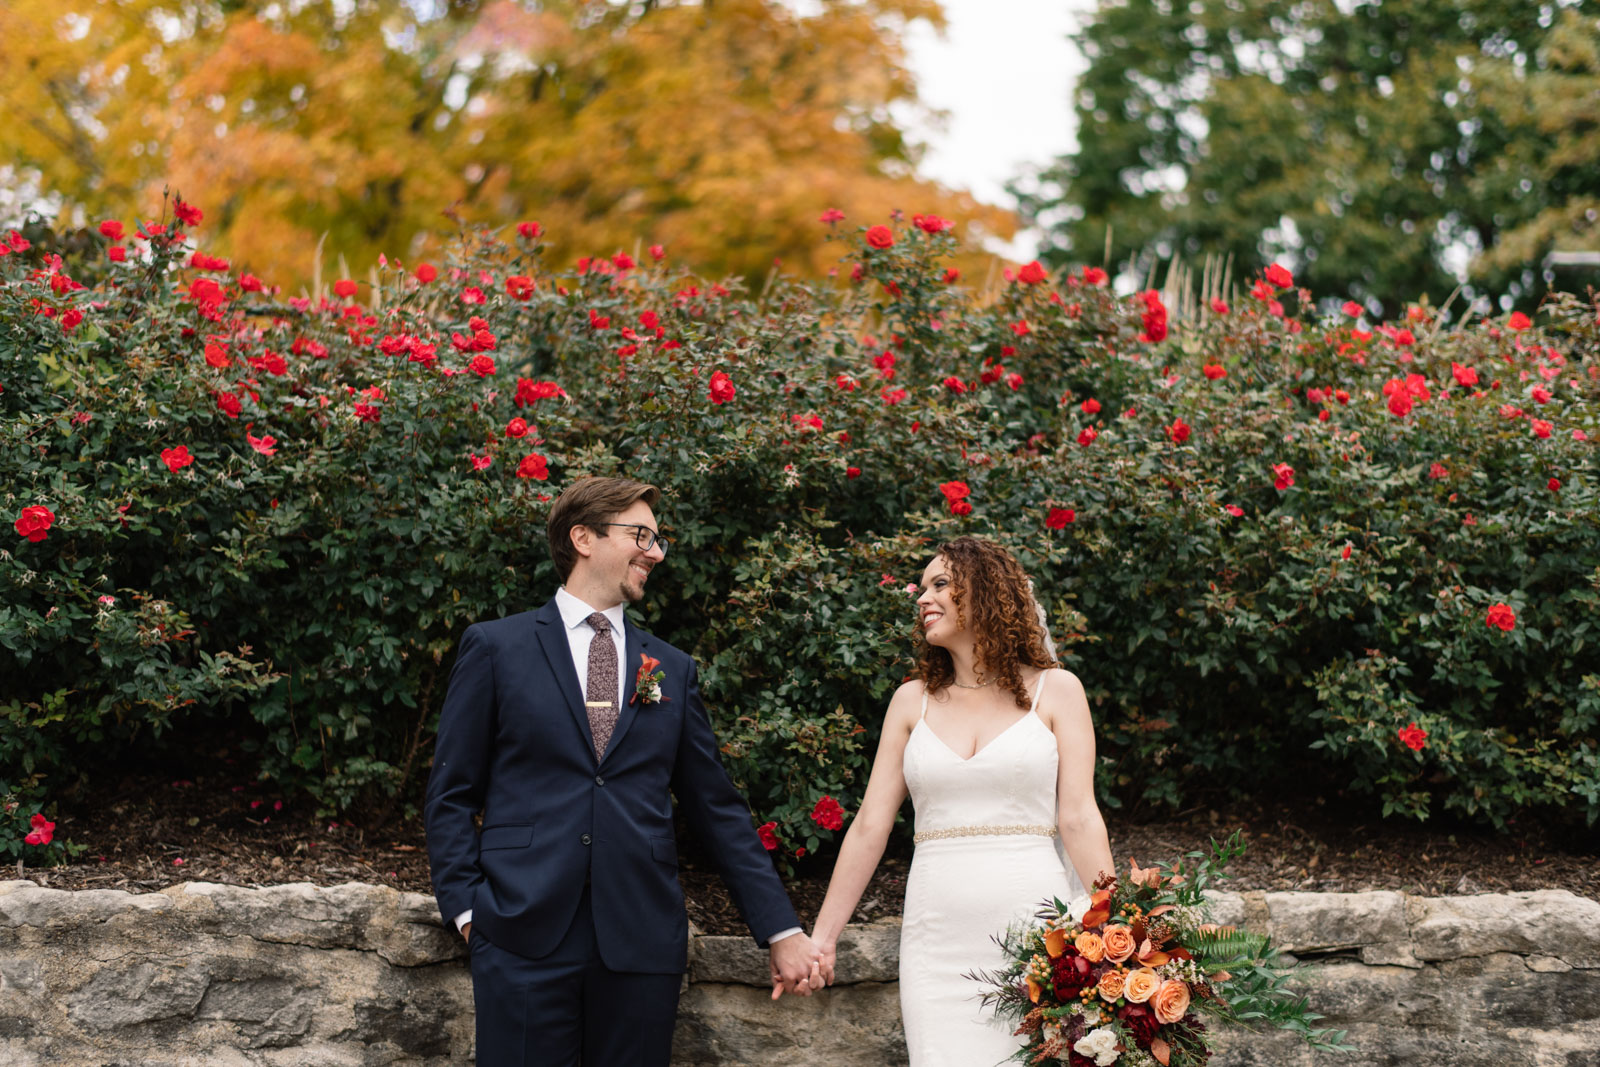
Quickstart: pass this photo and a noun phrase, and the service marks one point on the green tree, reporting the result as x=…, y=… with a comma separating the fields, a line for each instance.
x=1383, y=147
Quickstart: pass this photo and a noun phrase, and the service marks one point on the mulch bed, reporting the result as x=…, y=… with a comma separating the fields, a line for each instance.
x=143, y=835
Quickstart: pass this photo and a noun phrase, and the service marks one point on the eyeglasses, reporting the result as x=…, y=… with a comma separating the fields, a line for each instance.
x=643, y=536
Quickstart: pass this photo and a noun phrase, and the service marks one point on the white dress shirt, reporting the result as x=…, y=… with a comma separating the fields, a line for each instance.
x=575, y=618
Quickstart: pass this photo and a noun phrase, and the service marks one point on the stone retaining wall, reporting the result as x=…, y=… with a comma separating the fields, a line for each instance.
x=219, y=976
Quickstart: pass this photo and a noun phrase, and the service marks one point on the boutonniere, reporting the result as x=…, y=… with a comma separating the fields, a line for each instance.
x=647, y=683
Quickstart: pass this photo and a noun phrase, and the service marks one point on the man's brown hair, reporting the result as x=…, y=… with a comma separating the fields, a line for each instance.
x=590, y=502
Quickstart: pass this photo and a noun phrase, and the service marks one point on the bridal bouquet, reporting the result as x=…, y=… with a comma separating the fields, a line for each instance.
x=1142, y=977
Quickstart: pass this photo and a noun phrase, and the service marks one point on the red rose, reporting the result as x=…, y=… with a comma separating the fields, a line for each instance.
x=262, y=444
x=1233, y=509
x=1438, y=471
x=42, y=830
x=481, y=365
x=1404, y=337
x=1094, y=276
x=955, y=385
x=1555, y=485
x=1087, y=436
x=34, y=522
x=893, y=396
x=1219, y=306
x=1014, y=380
x=623, y=261
x=880, y=237
x=658, y=253
x=519, y=287
x=533, y=466
x=1155, y=317
x=830, y=216
x=229, y=404
x=345, y=288
x=1031, y=273
x=767, y=832
x=187, y=214
x=176, y=458
x=72, y=317
x=954, y=491
x=722, y=388
x=117, y=253
x=1413, y=737
x=1352, y=309
x=1021, y=328
x=529, y=230
x=1466, y=377
x=1518, y=321
x=1283, y=476
x=1060, y=518
x=1400, y=404
x=828, y=814
x=961, y=507
x=1178, y=431
x=1540, y=395
x=951, y=276
x=852, y=472
x=112, y=228
x=1213, y=371
x=529, y=391
x=479, y=462
x=1090, y=406
x=1502, y=616
x=931, y=223
x=368, y=413
x=1280, y=277
x=1541, y=428
x=517, y=427
x=426, y=272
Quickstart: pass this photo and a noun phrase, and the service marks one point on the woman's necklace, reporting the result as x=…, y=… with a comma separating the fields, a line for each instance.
x=976, y=685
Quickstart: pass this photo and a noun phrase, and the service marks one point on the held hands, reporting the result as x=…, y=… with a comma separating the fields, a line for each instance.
x=796, y=966
x=827, y=954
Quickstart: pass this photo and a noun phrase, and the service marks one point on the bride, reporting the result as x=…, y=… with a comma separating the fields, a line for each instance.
x=995, y=745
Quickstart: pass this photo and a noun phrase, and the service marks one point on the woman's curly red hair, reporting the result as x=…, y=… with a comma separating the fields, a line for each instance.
x=992, y=599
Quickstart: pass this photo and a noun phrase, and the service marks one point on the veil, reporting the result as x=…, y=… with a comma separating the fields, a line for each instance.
x=1044, y=624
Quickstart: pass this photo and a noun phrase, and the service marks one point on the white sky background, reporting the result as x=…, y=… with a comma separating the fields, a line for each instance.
x=1004, y=71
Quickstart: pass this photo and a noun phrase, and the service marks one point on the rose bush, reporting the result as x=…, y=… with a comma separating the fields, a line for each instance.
x=277, y=514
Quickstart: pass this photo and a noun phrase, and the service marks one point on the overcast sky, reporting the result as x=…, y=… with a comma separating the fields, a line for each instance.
x=1004, y=71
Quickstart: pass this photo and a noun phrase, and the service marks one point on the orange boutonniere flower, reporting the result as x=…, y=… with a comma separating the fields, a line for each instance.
x=647, y=683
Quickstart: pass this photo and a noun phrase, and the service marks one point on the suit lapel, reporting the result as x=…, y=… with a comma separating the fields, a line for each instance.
x=634, y=640
x=558, y=651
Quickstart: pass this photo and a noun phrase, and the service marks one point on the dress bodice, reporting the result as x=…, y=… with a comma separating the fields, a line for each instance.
x=1009, y=781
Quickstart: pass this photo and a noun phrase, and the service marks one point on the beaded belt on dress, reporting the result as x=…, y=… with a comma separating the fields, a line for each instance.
x=984, y=831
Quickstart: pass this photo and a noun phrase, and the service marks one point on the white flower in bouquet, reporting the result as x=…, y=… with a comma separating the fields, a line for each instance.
x=1100, y=1044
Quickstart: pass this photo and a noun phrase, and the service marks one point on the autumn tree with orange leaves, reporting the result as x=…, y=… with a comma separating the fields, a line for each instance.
x=719, y=130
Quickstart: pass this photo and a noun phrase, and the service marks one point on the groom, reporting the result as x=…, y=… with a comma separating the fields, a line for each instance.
x=568, y=895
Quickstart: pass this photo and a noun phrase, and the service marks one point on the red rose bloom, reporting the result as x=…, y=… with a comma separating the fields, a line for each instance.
x=529, y=230
x=1540, y=427
x=112, y=228
x=426, y=272
x=1555, y=485
x=1070, y=974
x=1087, y=435
x=961, y=507
x=187, y=214
x=533, y=466
x=42, y=830
x=1060, y=518
x=1233, y=509
x=722, y=388
x=1213, y=371
x=519, y=287
x=852, y=472
x=176, y=458
x=768, y=834
x=229, y=404
x=1518, y=321
x=1282, y=475
x=831, y=215
x=955, y=385
x=1280, y=277
x=1178, y=431
x=828, y=814
x=880, y=237
x=1031, y=273
x=1155, y=317
x=1466, y=377
x=345, y=288
x=1090, y=406
x=34, y=523
x=1413, y=737
x=481, y=365
x=1502, y=616
x=1352, y=309
x=1094, y=276
x=517, y=427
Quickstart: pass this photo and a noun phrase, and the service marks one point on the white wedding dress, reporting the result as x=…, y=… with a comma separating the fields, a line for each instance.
x=983, y=861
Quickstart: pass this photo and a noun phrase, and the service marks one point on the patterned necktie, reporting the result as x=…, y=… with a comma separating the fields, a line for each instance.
x=602, y=698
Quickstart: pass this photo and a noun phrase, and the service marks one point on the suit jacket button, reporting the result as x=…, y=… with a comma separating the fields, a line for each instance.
x=599, y=779
x=585, y=839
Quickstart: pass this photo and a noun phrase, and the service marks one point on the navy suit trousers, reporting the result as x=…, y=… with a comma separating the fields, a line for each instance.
x=568, y=1009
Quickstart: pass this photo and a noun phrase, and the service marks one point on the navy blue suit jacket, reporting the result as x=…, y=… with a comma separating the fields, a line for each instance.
x=514, y=743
